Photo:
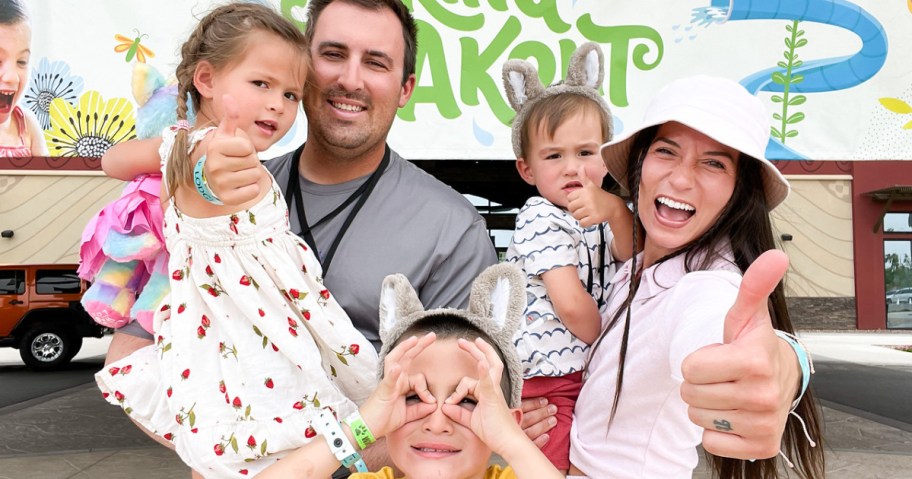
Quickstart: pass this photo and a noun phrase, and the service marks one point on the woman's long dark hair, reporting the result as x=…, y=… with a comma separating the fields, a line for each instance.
x=744, y=224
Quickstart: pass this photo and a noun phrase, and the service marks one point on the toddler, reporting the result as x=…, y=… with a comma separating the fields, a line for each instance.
x=565, y=251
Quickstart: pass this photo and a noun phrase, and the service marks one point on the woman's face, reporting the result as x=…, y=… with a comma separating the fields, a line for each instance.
x=687, y=179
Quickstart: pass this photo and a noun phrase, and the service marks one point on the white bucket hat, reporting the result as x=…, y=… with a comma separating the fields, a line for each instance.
x=720, y=109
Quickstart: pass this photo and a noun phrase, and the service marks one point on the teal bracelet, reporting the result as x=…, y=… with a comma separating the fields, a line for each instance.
x=202, y=186
x=804, y=361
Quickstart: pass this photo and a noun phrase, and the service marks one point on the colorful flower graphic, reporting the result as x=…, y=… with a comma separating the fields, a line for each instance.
x=91, y=128
x=49, y=81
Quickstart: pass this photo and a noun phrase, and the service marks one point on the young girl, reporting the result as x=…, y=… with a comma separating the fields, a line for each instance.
x=702, y=192
x=448, y=376
x=250, y=346
x=20, y=133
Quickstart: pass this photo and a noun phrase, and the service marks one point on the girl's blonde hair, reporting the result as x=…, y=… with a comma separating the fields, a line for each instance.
x=221, y=38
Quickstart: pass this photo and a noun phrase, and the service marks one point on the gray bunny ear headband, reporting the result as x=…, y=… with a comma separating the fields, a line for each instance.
x=523, y=87
x=496, y=307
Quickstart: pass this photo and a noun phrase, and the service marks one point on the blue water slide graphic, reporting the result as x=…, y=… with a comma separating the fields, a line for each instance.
x=828, y=74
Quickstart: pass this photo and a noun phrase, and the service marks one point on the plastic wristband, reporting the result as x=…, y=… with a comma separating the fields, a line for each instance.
x=359, y=428
x=804, y=361
x=202, y=186
x=327, y=426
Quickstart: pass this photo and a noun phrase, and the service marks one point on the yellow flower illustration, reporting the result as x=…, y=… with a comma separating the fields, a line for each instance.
x=90, y=129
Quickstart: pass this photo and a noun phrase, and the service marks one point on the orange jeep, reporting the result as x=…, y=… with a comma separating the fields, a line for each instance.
x=40, y=313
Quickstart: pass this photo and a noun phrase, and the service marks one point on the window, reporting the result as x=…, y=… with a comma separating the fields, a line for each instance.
x=897, y=223
x=12, y=282
x=57, y=282
x=898, y=283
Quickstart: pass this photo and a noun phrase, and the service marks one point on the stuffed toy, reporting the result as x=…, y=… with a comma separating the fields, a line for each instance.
x=122, y=251
x=496, y=306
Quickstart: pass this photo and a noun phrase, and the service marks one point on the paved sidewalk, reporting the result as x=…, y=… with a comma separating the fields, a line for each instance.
x=75, y=434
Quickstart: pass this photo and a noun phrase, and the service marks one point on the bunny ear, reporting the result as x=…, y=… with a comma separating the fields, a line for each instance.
x=521, y=83
x=499, y=295
x=587, y=66
x=397, y=301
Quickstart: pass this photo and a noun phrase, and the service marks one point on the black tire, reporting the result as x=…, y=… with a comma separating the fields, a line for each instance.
x=48, y=346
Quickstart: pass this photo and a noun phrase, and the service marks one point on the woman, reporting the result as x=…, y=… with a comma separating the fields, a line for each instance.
x=701, y=192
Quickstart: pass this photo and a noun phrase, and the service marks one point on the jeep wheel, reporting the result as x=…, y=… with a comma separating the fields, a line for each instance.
x=48, y=347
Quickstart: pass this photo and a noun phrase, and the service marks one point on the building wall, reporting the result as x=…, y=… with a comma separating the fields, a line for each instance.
x=818, y=216
x=47, y=212
x=869, y=268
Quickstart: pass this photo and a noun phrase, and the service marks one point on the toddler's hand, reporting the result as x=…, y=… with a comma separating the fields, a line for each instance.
x=490, y=418
x=232, y=169
x=590, y=205
x=399, y=398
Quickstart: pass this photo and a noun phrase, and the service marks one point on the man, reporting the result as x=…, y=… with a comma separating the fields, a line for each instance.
x=409, y=222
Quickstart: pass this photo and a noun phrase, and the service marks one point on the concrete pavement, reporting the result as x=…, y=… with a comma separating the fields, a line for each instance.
x=75, y=434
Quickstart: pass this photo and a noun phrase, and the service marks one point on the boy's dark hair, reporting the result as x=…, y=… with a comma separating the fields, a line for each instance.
x=548, y=114
x=12, y=12
x=409, y=29
x=447, y=326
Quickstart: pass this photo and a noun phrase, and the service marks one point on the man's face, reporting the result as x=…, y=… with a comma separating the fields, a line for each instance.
x=356, y=84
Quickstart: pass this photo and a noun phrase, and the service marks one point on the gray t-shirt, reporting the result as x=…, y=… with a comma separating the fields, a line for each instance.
x=411, y=224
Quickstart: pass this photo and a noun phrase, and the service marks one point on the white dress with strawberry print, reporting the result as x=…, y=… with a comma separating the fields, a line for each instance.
x=248, y=348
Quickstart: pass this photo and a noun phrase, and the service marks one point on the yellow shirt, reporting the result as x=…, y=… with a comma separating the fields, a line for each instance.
x=493, y=472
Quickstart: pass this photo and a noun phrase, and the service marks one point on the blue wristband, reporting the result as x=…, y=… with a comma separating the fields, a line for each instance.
x=202, y=186
x=804, y=361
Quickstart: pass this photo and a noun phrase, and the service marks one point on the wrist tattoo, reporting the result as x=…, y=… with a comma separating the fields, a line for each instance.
x=722, y=425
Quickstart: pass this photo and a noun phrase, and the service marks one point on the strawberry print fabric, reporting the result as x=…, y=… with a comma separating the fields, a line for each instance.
x=248, y=348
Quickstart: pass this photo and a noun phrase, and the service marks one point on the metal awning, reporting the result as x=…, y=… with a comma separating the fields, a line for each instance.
x=889, y=195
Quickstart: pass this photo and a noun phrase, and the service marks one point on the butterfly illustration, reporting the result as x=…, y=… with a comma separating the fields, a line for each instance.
x=133, y=47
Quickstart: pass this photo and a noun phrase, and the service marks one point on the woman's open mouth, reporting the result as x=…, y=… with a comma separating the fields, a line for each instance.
x=672, y=210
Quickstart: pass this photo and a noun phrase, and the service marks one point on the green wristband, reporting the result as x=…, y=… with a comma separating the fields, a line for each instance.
x=359, y=429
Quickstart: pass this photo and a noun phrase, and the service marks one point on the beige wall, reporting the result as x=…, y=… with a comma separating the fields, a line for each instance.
x=48, y=212
x=818, y=215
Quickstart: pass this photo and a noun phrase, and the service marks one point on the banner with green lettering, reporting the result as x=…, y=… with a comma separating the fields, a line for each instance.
x=835, y=74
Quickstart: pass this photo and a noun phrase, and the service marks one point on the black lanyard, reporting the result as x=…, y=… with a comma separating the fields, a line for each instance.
x=601, y=266
x=361, y=194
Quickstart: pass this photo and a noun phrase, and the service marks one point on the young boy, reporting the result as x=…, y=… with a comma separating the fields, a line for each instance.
x=566, y=253
x=442, y=403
